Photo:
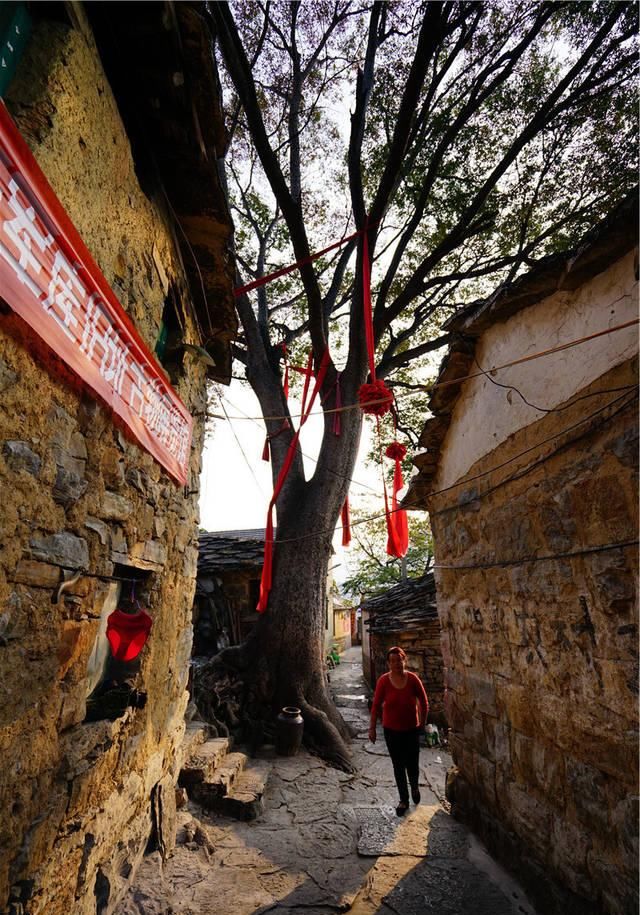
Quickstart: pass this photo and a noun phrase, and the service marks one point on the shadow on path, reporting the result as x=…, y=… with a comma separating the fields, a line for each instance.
x=330, y=842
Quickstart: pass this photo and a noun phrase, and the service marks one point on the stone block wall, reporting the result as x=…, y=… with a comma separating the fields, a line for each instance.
x=541, y=653
x=78, y=799
x=424, y=658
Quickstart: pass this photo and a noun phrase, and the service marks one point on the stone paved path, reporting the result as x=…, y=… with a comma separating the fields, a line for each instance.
x=330, y=842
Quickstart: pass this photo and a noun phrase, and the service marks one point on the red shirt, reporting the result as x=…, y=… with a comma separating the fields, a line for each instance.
x=400, y=706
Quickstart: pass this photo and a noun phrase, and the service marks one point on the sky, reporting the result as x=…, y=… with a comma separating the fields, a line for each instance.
x=236, y=485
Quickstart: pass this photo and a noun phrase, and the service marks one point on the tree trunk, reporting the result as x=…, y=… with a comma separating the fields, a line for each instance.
x=283, y=661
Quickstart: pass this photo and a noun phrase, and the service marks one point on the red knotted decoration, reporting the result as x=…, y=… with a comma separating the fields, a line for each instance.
x=127, y=633
x=397, y=523
x=266, y=579
x=396, y=451
x=346, y=523
x=376, y=398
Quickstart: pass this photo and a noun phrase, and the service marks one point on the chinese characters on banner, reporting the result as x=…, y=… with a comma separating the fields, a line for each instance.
x=48, y=277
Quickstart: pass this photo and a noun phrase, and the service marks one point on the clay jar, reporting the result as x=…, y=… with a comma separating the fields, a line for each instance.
x=289, y=728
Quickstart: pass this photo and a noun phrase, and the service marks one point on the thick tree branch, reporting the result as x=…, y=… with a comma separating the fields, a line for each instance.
x=240, y=72
x=542, y=117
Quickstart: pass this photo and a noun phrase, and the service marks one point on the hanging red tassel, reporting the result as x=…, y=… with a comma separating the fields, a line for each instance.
x=375, y=397
x=346, y=523
x=127, y=633
x=266, y=579
x=396, y=451
x=397, y=523
x=265, y=450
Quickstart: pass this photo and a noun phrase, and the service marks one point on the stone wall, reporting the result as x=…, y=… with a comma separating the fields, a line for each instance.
x=80, y=800
x=424, y=658
x=540, y=644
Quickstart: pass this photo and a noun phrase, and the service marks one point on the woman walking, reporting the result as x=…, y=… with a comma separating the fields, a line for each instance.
x=401, y=698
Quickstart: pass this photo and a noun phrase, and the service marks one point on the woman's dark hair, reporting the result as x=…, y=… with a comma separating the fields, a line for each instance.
x=396, y=650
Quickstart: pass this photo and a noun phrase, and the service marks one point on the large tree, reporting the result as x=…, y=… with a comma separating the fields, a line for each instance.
x=480, y=137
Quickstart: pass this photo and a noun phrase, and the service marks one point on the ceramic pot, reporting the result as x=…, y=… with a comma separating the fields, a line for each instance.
x=289, y=728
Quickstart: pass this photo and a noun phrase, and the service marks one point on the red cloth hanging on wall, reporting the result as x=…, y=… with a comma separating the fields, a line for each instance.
x=127, y=633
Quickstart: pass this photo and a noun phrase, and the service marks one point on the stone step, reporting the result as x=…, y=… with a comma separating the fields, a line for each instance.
x=204, y=762
x=195, y=733
x=220, y=781
x=245, y=800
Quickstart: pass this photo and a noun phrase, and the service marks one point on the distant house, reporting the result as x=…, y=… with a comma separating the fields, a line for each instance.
x=530, y=480
x=337, y=623
x=228, y=587
x=406, y=615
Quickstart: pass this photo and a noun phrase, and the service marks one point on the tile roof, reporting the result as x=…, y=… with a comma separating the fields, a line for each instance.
x=404, y=607
x=228, y=551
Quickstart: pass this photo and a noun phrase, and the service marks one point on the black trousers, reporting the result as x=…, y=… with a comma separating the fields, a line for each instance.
x=404, y=750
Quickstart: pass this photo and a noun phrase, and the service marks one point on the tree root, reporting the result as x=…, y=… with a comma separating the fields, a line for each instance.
x=322, y=737
x=228, y=693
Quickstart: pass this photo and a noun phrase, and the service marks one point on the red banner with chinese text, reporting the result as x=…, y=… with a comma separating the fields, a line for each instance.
x=48, y=277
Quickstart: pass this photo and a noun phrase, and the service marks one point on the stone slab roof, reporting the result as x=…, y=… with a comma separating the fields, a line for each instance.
x=407, y=606
x=605, y=244
x=230, y=551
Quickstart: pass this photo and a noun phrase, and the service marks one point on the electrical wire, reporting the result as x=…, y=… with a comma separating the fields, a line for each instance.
x=502, y=563
x=86, y=574
x=511, y=387
x=523, y=472
x=466, y=481
x=197, y=266
x=247, y=461
x=334, y=473
x=443, y=384
x=551, y=438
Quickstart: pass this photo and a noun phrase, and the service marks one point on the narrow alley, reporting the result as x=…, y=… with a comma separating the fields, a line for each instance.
x=330, y=842
x=318, y=326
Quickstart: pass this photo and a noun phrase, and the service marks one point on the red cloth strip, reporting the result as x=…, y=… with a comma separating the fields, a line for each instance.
x=270, y=436
x=346, y=523
x=399, y=543
x=263, y=280
x=267, y=566
x=285, y=386
x=305, y=389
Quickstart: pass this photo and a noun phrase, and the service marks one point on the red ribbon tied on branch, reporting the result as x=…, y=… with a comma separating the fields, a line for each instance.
x=346, y=523
x=397, y=523
x=375, y=398
x=267, y=565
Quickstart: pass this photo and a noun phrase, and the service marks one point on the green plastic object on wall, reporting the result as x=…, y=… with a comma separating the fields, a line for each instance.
x=15, y=27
